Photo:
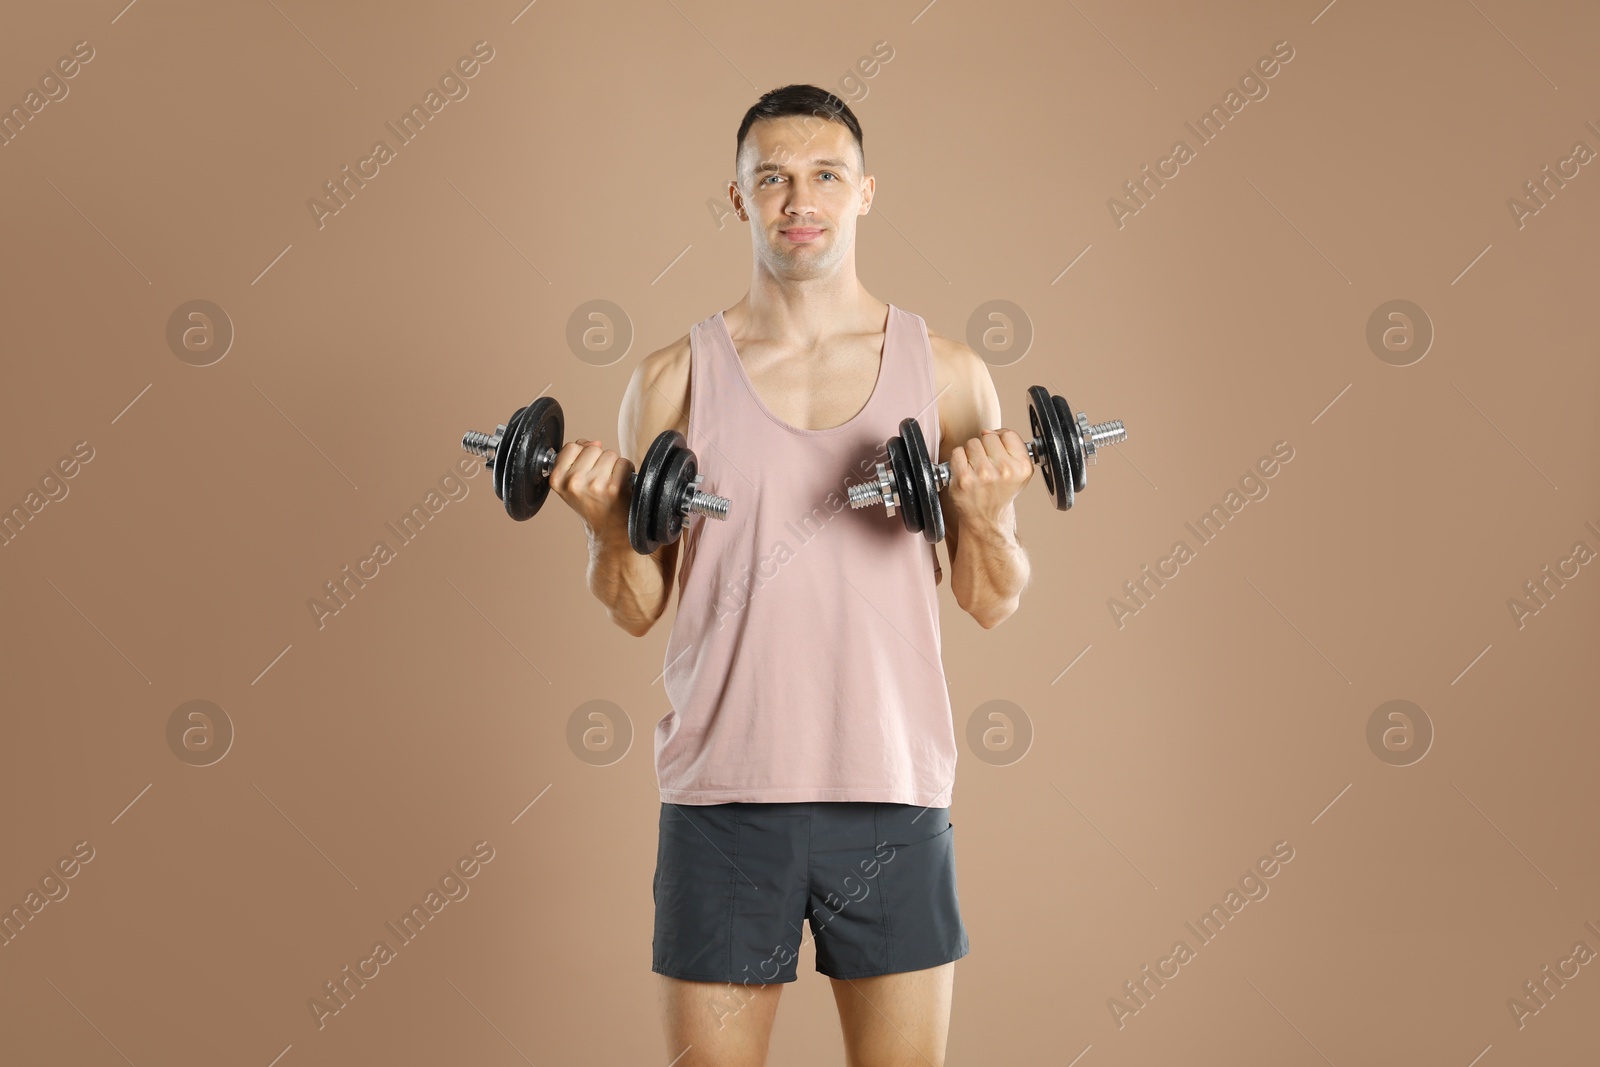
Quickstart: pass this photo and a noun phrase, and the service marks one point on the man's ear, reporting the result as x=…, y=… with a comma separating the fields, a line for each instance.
x=738, y=201
x=868, y=190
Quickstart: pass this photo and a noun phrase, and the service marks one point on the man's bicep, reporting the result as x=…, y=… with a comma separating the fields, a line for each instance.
x=631, y=419
x=968, y=406
x=656, y=400
x=648, y=409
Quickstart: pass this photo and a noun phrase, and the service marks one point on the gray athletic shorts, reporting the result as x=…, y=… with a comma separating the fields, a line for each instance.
x=734, y=882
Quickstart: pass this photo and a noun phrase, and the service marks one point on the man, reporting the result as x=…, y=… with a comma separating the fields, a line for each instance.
x=806, y=767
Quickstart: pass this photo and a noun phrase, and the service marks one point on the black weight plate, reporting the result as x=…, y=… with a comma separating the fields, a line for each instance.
x=549, y=431
x=900, y=470
x=514, y=483
x=927, y=488
x=667, y=518
x=543, y=428
x=503, y=452
x=1075, y=450
x=1044, y=419
x=646, y=490
x=516, y=459
x=539, y=426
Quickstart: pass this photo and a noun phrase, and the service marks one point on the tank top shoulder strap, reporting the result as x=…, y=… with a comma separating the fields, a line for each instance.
x=713, y=380
x=908, y=363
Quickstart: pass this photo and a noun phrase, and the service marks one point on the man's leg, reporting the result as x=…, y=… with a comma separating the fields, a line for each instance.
x=896, y=1020
x=718, y=1024
x=730, y=894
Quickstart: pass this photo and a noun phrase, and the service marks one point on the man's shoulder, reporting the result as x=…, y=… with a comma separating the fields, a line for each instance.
x=669, y=354
x=673, y=358
x=947, y=347
x=962, y=382
x=665, y=363
x=657, y=396
x=953, y=359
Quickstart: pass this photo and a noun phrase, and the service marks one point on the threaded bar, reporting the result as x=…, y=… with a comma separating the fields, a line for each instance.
x=1108, y=433
x=864, y=494
x=479, y=444
x=709, y=505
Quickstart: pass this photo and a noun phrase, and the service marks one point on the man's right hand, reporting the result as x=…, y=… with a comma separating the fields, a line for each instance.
x=593, y=480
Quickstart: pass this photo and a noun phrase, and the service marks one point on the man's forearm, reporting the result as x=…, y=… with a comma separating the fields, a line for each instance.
x=628, y=584
x=990, y=570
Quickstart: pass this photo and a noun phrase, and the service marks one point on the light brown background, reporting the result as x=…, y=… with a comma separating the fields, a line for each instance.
x=430, y=712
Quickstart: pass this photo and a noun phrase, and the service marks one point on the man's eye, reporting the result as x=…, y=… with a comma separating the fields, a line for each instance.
x=829, y=174
x=768, y=178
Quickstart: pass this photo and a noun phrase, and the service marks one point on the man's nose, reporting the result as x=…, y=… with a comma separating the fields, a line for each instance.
x=799, y=202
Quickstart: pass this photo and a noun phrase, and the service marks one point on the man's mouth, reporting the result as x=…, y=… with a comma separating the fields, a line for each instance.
x=801, y=234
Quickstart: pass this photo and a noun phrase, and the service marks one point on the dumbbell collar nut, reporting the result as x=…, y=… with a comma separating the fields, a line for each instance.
x=886, y=490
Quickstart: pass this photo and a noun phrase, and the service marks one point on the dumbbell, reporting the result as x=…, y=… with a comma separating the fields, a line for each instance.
x=666, y=486
x=1062, y=445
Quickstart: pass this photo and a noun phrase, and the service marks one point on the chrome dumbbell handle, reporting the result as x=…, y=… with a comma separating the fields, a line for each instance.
x=544, y=461
x=1094, y=435
x=881, y=489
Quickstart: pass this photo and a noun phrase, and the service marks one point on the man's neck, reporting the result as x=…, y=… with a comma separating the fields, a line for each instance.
x=806, y=310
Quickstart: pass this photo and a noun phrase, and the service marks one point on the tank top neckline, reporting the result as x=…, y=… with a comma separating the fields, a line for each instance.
x=750, y=387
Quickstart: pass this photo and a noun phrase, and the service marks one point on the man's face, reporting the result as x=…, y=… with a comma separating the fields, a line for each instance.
x=801, y=187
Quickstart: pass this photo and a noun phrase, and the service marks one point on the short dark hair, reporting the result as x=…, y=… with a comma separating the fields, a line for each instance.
x=800, y=100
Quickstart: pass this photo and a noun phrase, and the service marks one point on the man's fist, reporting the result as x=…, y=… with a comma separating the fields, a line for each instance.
x=594, y=482
x=986, y=474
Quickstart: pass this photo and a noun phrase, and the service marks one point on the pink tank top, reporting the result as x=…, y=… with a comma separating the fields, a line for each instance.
x=804, y=660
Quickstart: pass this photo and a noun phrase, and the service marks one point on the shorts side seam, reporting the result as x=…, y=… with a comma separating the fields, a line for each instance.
x=733, y=890
x=883, y=896
x=807, y=920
